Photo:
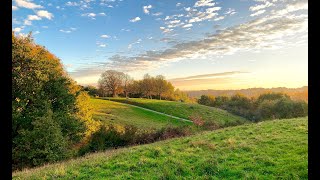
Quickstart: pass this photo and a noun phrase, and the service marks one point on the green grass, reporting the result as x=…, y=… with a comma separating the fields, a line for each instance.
x=275, y=149
x=110, y=112
x=185, y=110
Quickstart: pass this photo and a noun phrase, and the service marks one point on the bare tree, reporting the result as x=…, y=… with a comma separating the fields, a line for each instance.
x=111, y=81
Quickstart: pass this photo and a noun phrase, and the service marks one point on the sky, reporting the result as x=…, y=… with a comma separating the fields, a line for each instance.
x=195, y=44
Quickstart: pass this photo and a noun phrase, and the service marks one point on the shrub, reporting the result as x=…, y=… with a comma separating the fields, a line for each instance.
x=196, y=119
x=43, y=143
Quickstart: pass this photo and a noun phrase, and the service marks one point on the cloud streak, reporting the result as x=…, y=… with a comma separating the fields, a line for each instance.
x=205, y=76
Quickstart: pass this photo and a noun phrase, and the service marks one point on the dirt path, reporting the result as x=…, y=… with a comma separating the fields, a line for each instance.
x=175, y=117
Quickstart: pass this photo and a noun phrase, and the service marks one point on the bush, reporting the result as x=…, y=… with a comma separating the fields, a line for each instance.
x=110, y=137
x=43, y=143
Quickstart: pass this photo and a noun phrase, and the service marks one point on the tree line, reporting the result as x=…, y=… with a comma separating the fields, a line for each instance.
x=266, y=106
x=115, y=83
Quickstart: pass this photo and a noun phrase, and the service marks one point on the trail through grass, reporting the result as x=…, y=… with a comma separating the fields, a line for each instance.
x=185, y=110
x=110, y=112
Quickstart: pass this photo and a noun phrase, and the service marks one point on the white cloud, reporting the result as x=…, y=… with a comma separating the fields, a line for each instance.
x=201, y=3
x=187, y=26
x=261, y=6
x=178, y=4
x=102, y=14
x=174, y=21
x=219, y=18
x=103, y=45
x=230, y=11
x=146, y=9
x=127, y=30
x=165, y=30
x=258, y=13
x=211, y=10
x=34, y=18
x=14, y=8
x=187, y=9
x=72, y=4
x=105, y=36
x=91, y=15
x=17, y=29
x=46, y=14
x=27, y=4
x=135, y=19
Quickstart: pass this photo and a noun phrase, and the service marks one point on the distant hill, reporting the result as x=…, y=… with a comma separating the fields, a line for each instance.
x=294, y=93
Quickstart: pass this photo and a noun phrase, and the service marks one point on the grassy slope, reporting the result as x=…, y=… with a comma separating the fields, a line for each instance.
x=184, y=110
x=117, y=113
x=267, y=150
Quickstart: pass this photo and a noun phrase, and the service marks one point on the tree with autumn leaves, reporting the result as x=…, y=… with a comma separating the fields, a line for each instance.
x=50, y=114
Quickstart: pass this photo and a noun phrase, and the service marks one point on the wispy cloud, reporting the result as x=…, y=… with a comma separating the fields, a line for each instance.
x=157, y=14
x=136, y=42
x=69, y=30
x=258, y=13
x=201, y=3
x=135, y=19
x=261, y=6
x=65, y=31
x=203, y=76
x=230, y=11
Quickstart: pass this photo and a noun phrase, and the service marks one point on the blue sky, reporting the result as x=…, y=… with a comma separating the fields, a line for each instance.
x=233, y=43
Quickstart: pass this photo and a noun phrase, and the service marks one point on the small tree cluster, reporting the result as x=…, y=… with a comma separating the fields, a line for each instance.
x=114, y=83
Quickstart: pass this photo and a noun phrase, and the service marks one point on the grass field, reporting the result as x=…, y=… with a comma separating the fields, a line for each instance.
x=268, y=150
x=110, y=112
x=185, y=110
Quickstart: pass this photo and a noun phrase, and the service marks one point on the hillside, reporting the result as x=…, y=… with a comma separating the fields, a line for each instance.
x=268, y=150
x=294, y=93
x=110, y=112
x=185, y=110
